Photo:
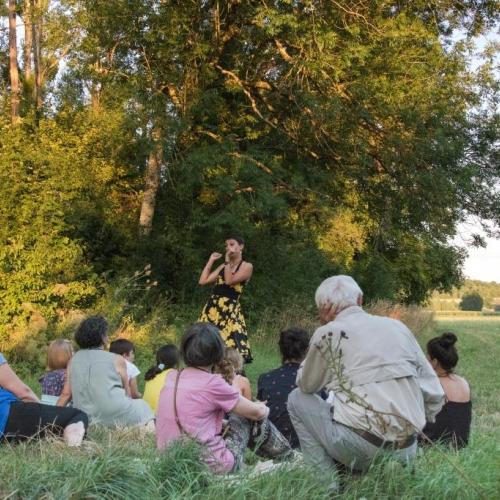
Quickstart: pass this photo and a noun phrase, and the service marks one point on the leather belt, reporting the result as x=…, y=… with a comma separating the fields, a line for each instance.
x=381, y=443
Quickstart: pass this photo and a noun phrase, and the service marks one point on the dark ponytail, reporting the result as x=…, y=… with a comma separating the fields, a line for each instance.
x=443, y=350
x=166, y=357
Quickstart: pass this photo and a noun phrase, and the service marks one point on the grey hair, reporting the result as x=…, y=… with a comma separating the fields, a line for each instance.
x=341, y=291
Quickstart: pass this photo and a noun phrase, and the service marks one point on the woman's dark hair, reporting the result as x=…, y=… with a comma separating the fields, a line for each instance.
x=202, y=345
x=236, y=237
x=166, y=357
x=293, y=344
x=91, y=332
x=443, y=350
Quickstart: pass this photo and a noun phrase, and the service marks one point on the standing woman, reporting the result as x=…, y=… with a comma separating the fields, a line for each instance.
x=223, y=307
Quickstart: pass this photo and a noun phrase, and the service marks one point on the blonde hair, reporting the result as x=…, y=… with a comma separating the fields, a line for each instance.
x=230, y=365
x=59, y=353
x=226, y=370
x=235, y=358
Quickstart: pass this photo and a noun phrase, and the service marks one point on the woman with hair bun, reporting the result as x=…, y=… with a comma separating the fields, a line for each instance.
x=452, y=423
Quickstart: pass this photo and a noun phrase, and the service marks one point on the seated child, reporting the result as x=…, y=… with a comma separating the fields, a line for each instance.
x=194, y=400
x=167, y=357
x=275, y=386
x=125, y=348
x=240, y=383
x=59, y=353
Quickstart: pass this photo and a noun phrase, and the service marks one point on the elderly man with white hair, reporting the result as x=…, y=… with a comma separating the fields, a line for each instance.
x=384, y=389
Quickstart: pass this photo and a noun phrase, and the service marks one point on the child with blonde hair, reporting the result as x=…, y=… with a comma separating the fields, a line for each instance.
x=59, y=353
x=239, y=382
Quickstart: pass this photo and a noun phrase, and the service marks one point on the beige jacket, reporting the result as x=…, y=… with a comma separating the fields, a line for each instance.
x=380, y=377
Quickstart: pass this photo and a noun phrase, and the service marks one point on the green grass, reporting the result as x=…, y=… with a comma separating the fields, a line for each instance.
x=126, y=465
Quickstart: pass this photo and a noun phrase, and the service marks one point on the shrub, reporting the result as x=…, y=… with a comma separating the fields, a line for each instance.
x=471, y=302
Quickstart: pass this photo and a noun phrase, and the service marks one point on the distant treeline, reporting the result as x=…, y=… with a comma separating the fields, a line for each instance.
x=489, y=291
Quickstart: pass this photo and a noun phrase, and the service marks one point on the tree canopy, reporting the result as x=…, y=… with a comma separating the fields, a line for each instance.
x=336, y=136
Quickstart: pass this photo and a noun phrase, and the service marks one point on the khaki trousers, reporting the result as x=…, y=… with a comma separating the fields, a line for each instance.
x=323, y=441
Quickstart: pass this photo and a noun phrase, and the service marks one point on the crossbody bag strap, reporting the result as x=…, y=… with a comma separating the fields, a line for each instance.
x=176, y=415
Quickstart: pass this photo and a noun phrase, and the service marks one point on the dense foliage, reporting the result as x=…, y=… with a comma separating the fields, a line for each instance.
x=336, y=136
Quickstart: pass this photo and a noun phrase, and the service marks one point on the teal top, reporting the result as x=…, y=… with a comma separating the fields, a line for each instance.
x=6, y=398
x=97, y=389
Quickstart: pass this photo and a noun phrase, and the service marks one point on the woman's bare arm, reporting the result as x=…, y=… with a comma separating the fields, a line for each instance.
x=243, y=274
x=121, y=368
x=11, y=382
x=253, y=411
x=207, y=276
x=134, y=389
x=66, y=394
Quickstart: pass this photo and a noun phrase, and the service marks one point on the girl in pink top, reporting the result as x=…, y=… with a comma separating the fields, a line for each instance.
x=194, y=400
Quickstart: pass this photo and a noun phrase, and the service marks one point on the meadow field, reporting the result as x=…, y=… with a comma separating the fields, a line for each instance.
x=125, y=464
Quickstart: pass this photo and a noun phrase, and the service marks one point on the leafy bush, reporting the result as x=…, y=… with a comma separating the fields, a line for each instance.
x=471, y=302
x=61, y=192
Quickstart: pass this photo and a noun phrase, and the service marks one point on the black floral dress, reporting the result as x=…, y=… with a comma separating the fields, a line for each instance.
x=223, y=310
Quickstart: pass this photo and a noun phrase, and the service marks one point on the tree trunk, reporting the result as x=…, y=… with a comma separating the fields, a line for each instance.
x=13, y=67
x=95, y=92
x=95, y=98
x=36, y=19
x=28, y=42
x=153, y=173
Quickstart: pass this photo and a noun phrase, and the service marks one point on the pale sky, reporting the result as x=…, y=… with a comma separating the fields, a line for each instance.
x=484, y=263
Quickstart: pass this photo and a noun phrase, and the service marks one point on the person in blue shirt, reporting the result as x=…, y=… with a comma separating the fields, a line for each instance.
x=275, y=386
x=22, y=416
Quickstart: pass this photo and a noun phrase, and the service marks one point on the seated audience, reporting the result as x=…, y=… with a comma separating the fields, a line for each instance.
x=240, y=383
x=22, y=416
x=59, y=353
x=98, y=382
x=452, y=425
x=194, y=400
x=384, y=387
x=126, y=349
x=167, y=357
x=275, y=386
